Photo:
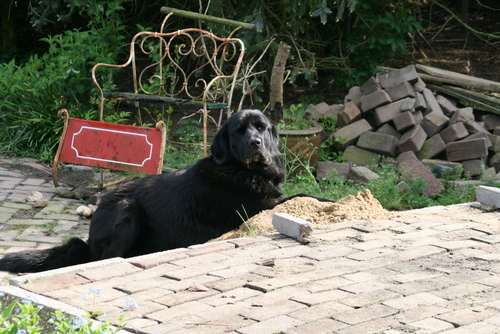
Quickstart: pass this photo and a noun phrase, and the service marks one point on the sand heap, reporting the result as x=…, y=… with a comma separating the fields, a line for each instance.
x=363, y=206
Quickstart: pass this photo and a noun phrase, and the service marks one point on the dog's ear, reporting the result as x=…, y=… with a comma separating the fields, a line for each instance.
x=220, y=148
x=275, y=141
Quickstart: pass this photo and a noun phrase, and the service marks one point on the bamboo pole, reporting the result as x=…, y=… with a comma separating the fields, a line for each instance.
x=208, y=18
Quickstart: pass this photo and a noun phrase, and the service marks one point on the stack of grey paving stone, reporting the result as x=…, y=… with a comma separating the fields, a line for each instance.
x=394, y=115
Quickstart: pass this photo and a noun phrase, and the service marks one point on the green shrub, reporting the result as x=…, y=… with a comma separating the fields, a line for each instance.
x=33, y=92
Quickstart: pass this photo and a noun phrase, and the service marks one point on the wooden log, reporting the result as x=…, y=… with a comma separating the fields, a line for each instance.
x=437, y=75
x=208, y=18
x=468, y=96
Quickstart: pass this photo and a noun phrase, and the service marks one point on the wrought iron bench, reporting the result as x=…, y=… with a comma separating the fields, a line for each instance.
x=190, y=67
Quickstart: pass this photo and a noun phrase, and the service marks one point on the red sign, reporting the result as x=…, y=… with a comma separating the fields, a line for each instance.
x=113, y=146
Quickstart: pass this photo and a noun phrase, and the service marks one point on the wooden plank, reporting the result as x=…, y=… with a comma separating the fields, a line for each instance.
x=443, y=76
x=163, y=100
x=460, y=95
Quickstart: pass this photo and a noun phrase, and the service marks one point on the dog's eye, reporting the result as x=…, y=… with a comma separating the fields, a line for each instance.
x=259, y=126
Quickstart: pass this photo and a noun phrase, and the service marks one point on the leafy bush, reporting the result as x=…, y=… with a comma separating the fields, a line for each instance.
x=33, y=92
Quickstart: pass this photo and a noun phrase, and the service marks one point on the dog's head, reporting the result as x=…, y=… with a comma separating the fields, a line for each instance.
x=248, y=137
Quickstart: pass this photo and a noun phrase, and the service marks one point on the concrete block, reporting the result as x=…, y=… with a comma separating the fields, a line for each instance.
x=371, y=85
x=349, y=114
x=434, y=122
x=404, y=121
x=491, y=121
x=389, y=130
x=467, y=150
x=474, y=167
x=478, y=135
x=354, y=95
x=412, y=168
x=488, y=196
x=496, y=131
x=408, y=105
x=362, y=174
x=379, y=143
x=490, y=172
x=419, y=117
x=293, y=227
x=474, y=127
x=374, y=100
x=420, y=103
x=462, y=115
x=352, y=132
x=360, y=157
x=495, y=142
x=330, y=170
x=454, y=132
x=432, y=147
x=446, y=105
x=407, y=73
x=430, y=100
x=400, y=91
x=419, y=85
x=494, y=161
x=412, y=140
x=387, y=112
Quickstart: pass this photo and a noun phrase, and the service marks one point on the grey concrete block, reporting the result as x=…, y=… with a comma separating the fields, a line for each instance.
x=328, y=170
x=352, y=132
x=446, y=105
x=412, y=140
x=488, y=196
x=434, y=122
x=349, y=114
x=291, y=226
x=360, y=157
x=362, y=174
x=430, y=100
x=374, y=100
x=371, y=85
x=379, y=143
x=467, y=150
x=462, y=115
x=432, y=147
x=400, y=91
x=420, y=103
x=491, y=121
x=354, y=95
x=387, y=112
x=454, y=132
x=389, y=130
x=404, y=121
x=474, y=167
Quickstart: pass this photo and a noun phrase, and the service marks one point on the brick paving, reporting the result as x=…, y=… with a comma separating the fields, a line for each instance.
x=409, y=275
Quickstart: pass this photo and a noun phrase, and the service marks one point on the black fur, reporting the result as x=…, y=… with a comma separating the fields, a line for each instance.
x=240, y=178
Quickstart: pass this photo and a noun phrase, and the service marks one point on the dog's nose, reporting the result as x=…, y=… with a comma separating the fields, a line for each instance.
x=255, y=142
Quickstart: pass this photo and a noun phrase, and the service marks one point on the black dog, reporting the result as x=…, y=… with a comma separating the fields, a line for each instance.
x=190, y=206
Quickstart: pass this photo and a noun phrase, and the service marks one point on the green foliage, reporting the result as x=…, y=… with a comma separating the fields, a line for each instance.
x=33, y=92
x=190, y=131
x=180, y=155
x=294, y=118
x=348, y=38
x=27, y=317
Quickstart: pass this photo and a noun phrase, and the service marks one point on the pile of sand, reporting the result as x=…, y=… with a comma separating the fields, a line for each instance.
x=363, y=206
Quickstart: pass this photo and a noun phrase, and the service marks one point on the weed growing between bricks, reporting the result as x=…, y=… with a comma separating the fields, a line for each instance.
x=28, y=316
